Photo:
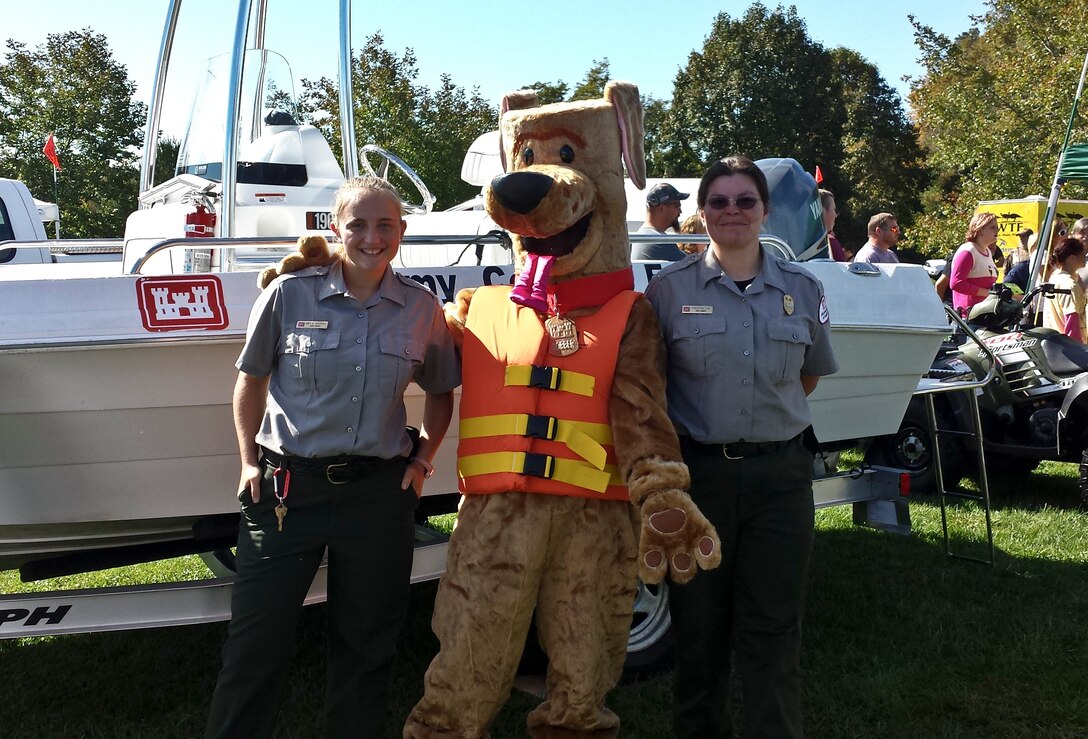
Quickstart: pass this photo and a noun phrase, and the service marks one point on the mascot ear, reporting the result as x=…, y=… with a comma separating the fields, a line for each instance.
x=624, y=98
x=519, y=100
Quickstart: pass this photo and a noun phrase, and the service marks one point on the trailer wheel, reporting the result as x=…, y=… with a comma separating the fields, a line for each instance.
x=650, y=643
x=911, y=449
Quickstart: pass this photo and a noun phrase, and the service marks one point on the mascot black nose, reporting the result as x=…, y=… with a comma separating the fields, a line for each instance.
x=521, y=191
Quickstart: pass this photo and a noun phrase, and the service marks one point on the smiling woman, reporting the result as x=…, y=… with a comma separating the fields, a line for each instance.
x=747, y=337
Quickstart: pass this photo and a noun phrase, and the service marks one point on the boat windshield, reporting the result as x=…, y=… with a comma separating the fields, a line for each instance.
x=269, y=148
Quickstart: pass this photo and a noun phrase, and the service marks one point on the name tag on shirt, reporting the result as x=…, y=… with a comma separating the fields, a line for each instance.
x=312, y=324
x=701, y=309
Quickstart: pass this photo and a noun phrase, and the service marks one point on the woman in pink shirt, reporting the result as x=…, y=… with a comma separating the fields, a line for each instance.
x=973, y=268
x=1065, y=311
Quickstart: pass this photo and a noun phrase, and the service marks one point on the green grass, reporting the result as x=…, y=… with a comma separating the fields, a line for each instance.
x=900, y=641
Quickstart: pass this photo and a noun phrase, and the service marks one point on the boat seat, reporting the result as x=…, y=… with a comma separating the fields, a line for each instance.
x=1065, y=356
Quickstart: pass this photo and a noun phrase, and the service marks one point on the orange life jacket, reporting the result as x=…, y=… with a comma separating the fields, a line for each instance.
x=531, y=421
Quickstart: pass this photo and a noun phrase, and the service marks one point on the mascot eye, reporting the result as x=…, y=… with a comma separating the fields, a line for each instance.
x=566, y=154
x=527, y=157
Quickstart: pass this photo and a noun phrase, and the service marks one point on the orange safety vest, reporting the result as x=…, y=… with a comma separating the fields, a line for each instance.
x=531, y=421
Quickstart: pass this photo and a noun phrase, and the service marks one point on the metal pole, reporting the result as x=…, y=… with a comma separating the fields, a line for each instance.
x=154, y=110
x=1042, y=243
x=234, y=104
x=347, y=108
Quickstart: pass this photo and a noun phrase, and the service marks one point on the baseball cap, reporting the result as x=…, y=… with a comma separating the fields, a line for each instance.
x=664, y=193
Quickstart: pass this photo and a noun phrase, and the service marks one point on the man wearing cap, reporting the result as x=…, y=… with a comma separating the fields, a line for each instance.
x=662, y=213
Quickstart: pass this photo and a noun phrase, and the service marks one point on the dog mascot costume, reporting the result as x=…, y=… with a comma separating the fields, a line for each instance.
x=563, y=437
x=571, y=471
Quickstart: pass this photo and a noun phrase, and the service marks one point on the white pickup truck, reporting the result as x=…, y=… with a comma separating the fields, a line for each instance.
x=20, y=220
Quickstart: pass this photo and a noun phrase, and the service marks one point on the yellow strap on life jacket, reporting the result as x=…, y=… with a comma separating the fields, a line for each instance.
x=549, y=378
x=581, y=437
x=570, y=471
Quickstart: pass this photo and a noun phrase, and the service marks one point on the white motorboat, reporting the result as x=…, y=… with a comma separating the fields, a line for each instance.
x=116, y=435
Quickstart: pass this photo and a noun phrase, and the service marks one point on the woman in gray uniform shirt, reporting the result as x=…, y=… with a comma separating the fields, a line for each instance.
x=319, y=412
x=748, y=338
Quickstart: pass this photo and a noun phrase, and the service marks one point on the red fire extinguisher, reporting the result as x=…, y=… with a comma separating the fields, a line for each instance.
x=200, y=222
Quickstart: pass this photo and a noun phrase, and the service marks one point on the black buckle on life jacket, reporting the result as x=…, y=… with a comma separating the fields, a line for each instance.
x=545, y=377
x=541, y=427
x=538, y=465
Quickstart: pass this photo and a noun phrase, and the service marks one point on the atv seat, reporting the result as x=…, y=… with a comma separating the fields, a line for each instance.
x=1066, y=357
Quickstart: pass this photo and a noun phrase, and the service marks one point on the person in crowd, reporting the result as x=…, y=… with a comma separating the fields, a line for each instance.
x=973, y=270
x=1064, y=312
x=1019, y=262
x=692, y=225
x=883, y=235
x=1080, y=231
x=747, y=337
x=327, y=462
x=827, y=200
x=662, y=214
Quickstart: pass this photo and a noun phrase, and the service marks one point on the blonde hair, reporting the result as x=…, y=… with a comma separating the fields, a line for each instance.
x=353, y=189
x=978, y=222
x=692, y=225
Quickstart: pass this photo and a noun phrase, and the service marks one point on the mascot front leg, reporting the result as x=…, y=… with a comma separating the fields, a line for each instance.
x=511, y=553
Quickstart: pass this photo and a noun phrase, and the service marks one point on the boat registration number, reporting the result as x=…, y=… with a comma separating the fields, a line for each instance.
x=318, y=220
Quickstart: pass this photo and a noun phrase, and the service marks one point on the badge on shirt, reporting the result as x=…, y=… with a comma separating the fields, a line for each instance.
x=700, y=309
x=787, y=304
x=312, y=324
x=824, y=315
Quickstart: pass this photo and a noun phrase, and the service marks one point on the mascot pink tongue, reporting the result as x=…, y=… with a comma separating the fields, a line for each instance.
x=531, y=288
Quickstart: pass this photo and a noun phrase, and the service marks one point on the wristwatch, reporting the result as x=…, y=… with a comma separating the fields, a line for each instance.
x=428, y=468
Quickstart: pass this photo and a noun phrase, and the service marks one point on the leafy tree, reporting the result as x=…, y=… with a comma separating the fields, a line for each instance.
x=166, y=159
x=993, y=106
x=883, y=166
x=759, y=86
x=429, y=131
x=550, y=92
x=72, y=87
x=592, y=85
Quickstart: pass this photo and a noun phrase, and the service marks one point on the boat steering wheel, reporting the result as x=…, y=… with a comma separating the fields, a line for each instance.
x=387, y=158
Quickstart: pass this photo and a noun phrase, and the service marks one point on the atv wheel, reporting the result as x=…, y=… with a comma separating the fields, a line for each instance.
x=911, y=449
x=1082, y=478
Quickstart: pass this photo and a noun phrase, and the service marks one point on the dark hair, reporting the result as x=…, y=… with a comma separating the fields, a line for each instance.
x=735, y=164
x=1069, y=247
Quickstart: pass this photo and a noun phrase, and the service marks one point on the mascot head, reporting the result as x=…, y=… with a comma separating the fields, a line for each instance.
x=562, y=192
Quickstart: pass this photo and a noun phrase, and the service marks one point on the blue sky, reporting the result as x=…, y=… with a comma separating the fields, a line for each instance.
x=488, y=46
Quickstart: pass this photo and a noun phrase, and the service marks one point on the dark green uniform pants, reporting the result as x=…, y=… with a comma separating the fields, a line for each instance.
x=753, y=603
x=367, y=525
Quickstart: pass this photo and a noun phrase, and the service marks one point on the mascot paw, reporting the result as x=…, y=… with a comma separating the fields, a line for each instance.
x=676, y=539
x=456, y=313
x=312, y=251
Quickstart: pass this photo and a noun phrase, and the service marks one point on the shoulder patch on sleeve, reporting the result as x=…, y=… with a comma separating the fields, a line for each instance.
x=824, y=315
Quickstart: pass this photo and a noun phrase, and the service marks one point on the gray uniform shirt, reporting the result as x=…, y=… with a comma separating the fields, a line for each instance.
x=735, y=359
x=339, y=367
x=658, y=252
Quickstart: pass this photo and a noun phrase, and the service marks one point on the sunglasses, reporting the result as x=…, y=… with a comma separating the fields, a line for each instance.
x=744, y=202
x=894, y=229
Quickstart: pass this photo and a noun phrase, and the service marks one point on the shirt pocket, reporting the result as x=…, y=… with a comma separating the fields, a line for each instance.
x=697, y=344
x=397, y=362
x=789, y=342
x=309, y=359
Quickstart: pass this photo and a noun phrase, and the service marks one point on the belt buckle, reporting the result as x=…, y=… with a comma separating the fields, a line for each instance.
x=328, y=474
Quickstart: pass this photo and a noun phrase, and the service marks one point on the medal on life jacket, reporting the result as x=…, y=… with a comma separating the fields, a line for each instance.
x=564, y=336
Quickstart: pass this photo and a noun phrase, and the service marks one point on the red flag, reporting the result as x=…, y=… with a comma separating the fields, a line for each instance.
x=819, y=175
x=50, y=151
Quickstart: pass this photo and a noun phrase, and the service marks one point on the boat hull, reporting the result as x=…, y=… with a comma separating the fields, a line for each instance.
x=113, y=435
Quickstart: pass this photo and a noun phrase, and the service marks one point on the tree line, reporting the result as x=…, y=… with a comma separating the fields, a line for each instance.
x=988, y=116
